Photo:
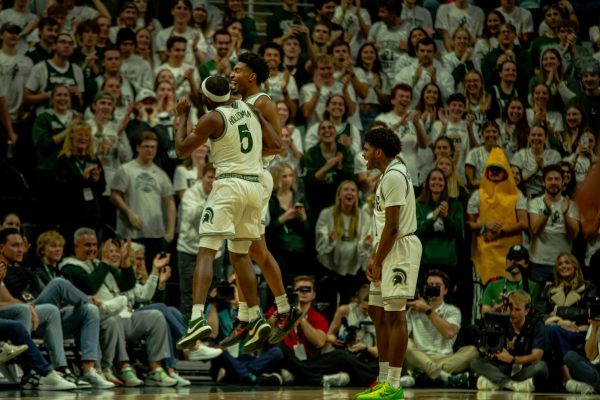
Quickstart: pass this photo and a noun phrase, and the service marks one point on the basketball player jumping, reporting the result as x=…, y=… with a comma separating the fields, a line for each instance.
x=233, y=209
x=246, y=78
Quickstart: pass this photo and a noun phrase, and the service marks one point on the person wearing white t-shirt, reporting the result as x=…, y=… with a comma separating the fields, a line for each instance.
x=126, y=19
x=433, y=327
x=408, y=127
x=389, y=36
x=477, y=157
x=520, y=17
x=457, y=129
x=424, y=71
x=554, y=226
x=134, y=67
x=280, y=86
x=18, y=15
x=314, y=95
x=197, y=49
x=144, y=197
x=460, y=13
x=414, y=15
x=14, y=72
x=186, y=75
x=533, y=159
x=356, y=22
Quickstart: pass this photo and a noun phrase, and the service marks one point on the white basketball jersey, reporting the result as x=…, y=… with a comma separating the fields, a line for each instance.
x=395, y=189
x=251, y=100
x=239, y=149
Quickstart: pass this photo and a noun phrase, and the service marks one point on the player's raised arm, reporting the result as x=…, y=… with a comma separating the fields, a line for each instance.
x=210, y=125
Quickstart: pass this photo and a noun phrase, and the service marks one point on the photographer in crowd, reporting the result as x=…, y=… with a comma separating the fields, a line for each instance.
x=352, y=329
x=433, y=326
x=495, y=296
x=519, y=362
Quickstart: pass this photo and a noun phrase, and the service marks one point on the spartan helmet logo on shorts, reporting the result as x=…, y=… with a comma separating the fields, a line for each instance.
x=399, y=276
x=208, y=215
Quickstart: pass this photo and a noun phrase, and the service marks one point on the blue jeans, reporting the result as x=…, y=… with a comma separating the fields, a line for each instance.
x=583, y=370
x=245, y=364
x=16, y=333
x=562, y=340
x=176, y=328
x=50, y=328
x=79, y=318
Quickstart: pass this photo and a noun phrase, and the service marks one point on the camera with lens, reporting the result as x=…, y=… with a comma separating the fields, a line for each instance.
x=430, y=291
x=225, y=292
x=492, y=335
x=594, y=309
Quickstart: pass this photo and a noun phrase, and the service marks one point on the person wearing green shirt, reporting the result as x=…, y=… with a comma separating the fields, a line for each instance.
x=495, y=296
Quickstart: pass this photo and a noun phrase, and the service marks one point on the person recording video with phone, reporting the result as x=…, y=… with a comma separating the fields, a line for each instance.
x=519, y=362
x=495, y=296
x=433, y=326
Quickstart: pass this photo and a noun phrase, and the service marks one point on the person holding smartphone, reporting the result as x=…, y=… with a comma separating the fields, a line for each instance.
x=584, y=156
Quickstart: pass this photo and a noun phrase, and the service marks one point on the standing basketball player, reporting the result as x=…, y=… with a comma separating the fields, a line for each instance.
x=393, y=267
x=234, y=205
x=246, y=78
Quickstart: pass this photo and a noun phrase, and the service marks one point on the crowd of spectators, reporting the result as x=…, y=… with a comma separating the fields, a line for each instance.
x=496, y=104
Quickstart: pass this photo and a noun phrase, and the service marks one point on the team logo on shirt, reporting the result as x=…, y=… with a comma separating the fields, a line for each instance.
x=207, y=217
x=399, y=277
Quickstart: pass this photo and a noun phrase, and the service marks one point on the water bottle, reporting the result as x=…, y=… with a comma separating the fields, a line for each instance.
x=10, y=150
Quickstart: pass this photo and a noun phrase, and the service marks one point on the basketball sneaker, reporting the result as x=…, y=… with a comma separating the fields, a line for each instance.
x=197, y=329
x=375, y=387
x=284, y=323
x=387, y=392
x=239, y=333
x=258, y=330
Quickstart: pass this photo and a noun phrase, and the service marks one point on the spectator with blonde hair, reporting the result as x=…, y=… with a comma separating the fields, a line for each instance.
x=80, y=181
x=564, y=304
x=50, y=247
x=289, y=228
x=343, y=241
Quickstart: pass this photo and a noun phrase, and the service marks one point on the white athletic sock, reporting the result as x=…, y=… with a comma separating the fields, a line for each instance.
x=253, y=312
x=383, y=371
x=393, y=377
x=197, y=311
x=243, y=311
x=283, y=305
x=444, y=376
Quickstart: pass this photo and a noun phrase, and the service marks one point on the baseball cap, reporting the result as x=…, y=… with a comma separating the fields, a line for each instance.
x=518, y=252
x=144, y=94
x=127, y=5
x=10, y=27
x=103, y=95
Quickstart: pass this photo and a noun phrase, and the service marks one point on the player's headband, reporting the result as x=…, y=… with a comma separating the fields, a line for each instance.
x=212, y=96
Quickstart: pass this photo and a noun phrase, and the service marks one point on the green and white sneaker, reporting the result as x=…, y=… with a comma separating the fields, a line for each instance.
x=197, y=329
x=375, y=386
x=159, y=377
x=129, y=378
x=258, y=330
x=387, y=392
